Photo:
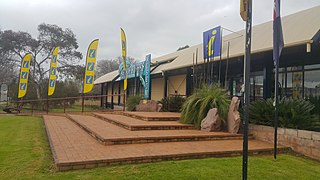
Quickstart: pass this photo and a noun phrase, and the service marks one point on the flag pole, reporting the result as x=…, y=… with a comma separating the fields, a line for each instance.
x=277, y=48
x=247, y=59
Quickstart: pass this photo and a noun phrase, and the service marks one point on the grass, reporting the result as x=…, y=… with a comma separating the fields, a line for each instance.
x=25, y=154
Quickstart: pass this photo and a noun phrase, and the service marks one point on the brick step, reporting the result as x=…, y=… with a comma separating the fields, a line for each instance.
x=134, y=124
x=153, y=116
x=110, y=134
x=73, y=148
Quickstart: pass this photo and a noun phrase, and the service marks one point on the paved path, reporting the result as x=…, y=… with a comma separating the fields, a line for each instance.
x=133, y=123
x=154, y=116
x=73, y=148
x=109, y=133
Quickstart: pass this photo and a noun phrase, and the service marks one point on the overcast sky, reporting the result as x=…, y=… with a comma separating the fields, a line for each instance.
x=152, y=26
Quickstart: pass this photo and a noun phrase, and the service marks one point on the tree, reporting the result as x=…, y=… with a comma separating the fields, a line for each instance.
x=8, y=70
x=16, y=44
x=106, y=66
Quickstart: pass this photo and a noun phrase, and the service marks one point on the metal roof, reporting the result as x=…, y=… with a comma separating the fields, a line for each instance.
x=298, y=28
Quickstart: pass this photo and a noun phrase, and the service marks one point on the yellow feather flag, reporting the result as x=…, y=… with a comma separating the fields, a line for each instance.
x=88, y=81
x=24, y=75
x=53, y=71
x=124, y=57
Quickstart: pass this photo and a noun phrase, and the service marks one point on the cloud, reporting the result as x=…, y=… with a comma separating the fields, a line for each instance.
x=156, y=27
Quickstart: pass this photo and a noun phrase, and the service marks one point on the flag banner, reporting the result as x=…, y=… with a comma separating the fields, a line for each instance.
x=88, y=81
x=147, y=77
x=212, y=43
x=243, y=9
x=24, y=75
x=53, y=71
x=138, y=69
x=277, y=33
x=124, y=57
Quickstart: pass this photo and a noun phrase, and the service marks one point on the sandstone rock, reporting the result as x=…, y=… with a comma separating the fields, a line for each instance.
x=148, y=106
x=212, y=121
x=234, y=116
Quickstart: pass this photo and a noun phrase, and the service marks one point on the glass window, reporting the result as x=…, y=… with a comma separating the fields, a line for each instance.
x=312, y=83
x=294, y=82
x=315, y=66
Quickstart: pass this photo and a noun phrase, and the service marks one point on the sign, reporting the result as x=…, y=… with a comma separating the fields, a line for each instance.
x=53, y=71
x=88, y=81
x=124, y=57
x=3, y=93
x=212, y=43
x=139, y=69
x=24, y=75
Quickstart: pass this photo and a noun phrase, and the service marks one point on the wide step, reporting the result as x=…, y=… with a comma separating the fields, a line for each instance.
x=134, y=124
x=109, y=134
x=153, y=116
x=73, y=148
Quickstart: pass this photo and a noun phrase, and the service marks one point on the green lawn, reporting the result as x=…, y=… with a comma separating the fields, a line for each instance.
x=25, y=154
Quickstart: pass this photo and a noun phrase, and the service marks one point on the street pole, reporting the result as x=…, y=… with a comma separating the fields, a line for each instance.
x=247, y=59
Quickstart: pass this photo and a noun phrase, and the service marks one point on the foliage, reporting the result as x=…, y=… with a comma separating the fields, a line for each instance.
x=293, y=113
x=25, y=154
x=176, y=103
x=132, y=102
x=315, y=100
x=8, y=70
x=15, y=44
x=106, y=66
x=196, y=107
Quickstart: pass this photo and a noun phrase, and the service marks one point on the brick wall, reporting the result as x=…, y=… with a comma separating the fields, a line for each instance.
x=301, y=141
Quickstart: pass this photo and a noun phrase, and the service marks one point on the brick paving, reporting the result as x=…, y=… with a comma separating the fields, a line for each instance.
x=154, y=116
x=73, y=148
x=108, y=133
x=137, y=124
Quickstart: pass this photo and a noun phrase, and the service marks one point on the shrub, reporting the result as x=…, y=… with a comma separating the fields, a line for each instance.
x=176, y=103
x=196, y=107
x=316, y=102
x=132, y=102
x=293, y=113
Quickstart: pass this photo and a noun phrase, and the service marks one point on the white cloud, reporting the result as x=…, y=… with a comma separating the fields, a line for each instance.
x=156, y=27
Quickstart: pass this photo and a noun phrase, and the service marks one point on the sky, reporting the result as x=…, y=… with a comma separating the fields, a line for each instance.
x=158, y=27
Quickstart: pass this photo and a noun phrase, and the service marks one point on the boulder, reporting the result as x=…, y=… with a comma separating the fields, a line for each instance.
x=149, y=106
x=234, y=120
x=212, y=121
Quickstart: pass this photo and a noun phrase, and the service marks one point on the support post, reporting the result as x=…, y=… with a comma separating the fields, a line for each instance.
x=112, y=94
x=47, y=105
x=82, y=103
x=124, y=101
x=64, y=106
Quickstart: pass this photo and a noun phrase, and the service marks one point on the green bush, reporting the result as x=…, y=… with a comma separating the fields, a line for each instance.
x=316, y=102
x=176, y=103
x=293, y=113
x=132, y=102
x=196, y=107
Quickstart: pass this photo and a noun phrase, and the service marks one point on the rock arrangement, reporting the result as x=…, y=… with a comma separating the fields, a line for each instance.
x=212, y=121
x=234, y=120
x=149, y=106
